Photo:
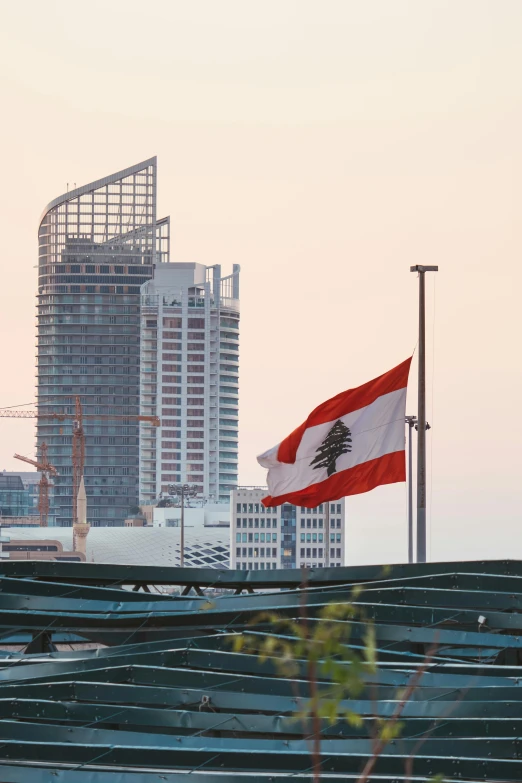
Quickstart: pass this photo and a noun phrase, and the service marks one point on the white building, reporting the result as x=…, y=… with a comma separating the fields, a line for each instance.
x=286, y=536
x=206, y=547
x=189, y=378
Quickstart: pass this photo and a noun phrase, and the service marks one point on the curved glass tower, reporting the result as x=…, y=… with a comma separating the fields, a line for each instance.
x=97, y=246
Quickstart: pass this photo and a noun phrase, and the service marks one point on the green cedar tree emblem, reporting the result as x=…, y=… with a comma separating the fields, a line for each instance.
x=338, y=441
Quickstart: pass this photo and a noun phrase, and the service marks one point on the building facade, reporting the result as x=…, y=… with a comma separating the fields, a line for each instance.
x=97, y=246
x=189, y=379
x=205, y=546
x=15, y=500
x=31, y=484
x=286, y=536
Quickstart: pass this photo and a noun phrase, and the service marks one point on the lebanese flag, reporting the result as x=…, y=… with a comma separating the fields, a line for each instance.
x=348, y=445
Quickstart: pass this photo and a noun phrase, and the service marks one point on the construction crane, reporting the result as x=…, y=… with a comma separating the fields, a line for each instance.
x=78, y=438
x=46, y=469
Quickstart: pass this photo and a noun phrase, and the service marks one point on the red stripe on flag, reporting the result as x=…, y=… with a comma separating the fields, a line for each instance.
x=343, y=403
x=388, y=469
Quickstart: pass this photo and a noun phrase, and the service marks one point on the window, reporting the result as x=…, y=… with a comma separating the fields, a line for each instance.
x=338, y=537
x=302, y=536
x=268, y=537
x=250, y=537
x=256, y=537
x=274, y=553
x=238, y=537
x=338, y=508
x=244, y=538
x=274, y=536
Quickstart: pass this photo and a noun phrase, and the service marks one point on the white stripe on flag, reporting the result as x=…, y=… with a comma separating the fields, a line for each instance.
x=376, y=430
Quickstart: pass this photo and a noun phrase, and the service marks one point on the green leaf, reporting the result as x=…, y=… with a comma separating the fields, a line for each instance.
x=353, y=719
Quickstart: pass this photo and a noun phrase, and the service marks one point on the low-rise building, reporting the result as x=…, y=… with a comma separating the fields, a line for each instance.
x=286, y=536
x=206, y=547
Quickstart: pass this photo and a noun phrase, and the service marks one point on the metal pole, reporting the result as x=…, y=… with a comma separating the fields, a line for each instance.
x=421, y=413
x=182, y=537
x=327, y=536
x=410, y=421
x=410, y=497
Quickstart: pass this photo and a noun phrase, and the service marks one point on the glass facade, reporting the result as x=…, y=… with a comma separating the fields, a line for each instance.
x=15, y=500
x=97, y=246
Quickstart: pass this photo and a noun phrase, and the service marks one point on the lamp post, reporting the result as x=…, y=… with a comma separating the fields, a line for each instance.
x=183, y=491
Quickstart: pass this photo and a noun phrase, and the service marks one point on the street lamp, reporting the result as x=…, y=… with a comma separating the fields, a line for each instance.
x=183, y=491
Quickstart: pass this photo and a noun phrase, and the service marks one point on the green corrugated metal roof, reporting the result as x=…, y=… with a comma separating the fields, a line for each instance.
x=166, y=695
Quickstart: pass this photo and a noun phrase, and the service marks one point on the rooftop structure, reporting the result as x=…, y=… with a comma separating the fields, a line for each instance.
x=164, y=694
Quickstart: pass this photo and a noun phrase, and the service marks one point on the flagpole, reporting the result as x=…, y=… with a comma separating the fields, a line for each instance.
x=421, y=414
x=410, y=421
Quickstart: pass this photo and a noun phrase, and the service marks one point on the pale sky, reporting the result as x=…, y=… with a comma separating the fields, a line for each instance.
x=326, y=146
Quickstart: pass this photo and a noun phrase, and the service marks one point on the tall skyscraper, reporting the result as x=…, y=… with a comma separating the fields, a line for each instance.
x=189, y=378
x=98, y=245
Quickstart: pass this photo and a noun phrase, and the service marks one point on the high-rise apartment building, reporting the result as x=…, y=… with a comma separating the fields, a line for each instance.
x=285, y=536
x=98, y=245
x=189, y=378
